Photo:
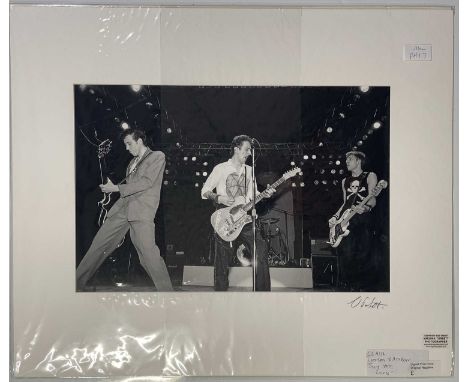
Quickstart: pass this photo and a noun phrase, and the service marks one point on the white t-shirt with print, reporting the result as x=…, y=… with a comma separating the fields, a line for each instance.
x=229, y=182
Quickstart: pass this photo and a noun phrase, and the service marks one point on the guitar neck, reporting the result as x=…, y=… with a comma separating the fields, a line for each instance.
x=260, y=196
x=103, y=169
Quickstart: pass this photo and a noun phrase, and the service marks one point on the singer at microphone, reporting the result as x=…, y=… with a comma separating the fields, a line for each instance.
x=232, y=181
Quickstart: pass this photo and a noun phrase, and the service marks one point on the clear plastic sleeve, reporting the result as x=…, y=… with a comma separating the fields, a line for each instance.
x=127, y=264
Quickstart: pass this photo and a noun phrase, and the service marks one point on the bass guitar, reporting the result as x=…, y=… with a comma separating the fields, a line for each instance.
x=339, y=230
x=229, y=221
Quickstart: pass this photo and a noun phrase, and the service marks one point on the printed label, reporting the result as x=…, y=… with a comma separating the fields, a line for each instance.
x=436, y=340
x=400, y=363
x=425, y=368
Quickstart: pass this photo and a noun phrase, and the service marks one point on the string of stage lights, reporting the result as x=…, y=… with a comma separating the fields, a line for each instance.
x=186, y=166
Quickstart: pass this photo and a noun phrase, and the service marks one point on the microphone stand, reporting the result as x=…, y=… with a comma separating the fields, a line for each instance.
x=254, y=217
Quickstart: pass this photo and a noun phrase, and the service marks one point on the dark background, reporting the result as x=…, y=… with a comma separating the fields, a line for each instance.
x=199, y=123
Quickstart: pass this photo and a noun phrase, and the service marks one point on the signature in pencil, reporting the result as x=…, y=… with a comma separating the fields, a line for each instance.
x=367, y=303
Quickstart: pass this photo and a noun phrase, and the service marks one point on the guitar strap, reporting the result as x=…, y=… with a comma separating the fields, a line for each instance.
x=245, y=183
x=147, y=154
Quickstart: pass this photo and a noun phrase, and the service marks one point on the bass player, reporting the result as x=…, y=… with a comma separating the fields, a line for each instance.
x=355, y=251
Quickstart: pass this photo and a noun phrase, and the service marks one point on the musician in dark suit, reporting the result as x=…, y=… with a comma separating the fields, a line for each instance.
x=233, y=180
x=355, y=251
x=135, y=210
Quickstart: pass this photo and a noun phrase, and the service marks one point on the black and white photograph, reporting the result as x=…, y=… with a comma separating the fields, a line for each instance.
x=232, y=188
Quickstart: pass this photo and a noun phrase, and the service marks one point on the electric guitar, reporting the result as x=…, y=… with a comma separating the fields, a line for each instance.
x=228, y=222
x=339, y=230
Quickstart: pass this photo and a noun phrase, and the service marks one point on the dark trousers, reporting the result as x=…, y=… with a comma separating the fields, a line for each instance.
x=108, y=238
x=355, y=255
x=224, y=252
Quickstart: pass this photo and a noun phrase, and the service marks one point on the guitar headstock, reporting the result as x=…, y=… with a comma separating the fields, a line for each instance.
x=104, y=148
x=293, y=172
x=380, y=186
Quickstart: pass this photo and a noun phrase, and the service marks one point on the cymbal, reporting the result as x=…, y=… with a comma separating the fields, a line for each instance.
x=269, y=220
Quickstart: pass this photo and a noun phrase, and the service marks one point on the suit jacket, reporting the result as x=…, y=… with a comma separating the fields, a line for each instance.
x=141, y=193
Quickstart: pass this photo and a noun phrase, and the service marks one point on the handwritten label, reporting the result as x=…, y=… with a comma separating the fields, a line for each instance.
x=366, y=302
x=436, y=340
x=393, y=363
x=417, y=52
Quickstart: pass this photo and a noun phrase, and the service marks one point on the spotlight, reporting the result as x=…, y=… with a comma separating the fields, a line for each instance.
x=136, y=88
x=314, y=156
x=369, y=132
x=91, y=91
x=321, y=144
x=333, y=171
x=293, y=163
x=322, y=171
x=205, y=163
x=196, y=184
x=185, y=158
x=194, y=159
x=364, y=89
x=324, y=182
x=342, y=115
x=341, y=171
x=377, y=125
x=364, y=137
x=316, y=182
x=354, y=147
x=124, y=125
x=302, y=184
x=338, y=162
x=329, y=130
x=178, y=145
x=149, y=104
x=175, y=182
x=359, y=143
x=300, y=173
x=205, y=173
x=306, y=157
x=169, y=130
x=293, y=184
x=166, y=182
x=166, y=171
x=197, y=173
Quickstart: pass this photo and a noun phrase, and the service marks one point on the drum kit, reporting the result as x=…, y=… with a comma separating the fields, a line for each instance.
x=278, y=251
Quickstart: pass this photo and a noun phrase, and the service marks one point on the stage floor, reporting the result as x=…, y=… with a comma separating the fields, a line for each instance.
x=200, y=288
x=200, y=279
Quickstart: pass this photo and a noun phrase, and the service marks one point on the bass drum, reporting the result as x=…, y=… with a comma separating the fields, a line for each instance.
x=242, y=255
